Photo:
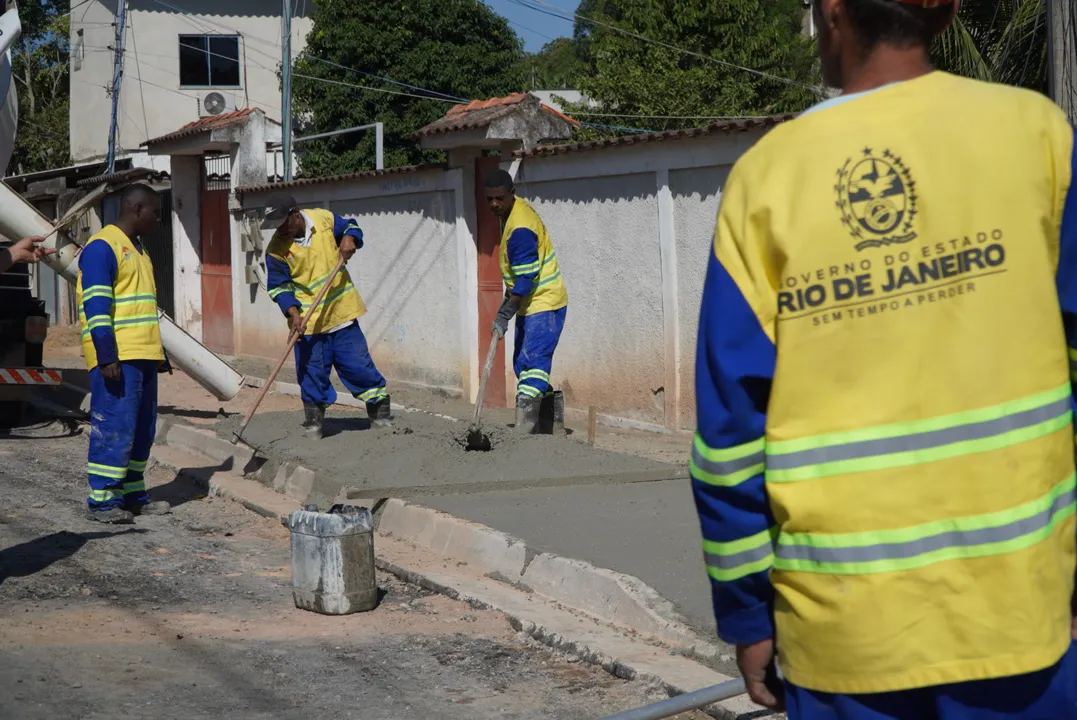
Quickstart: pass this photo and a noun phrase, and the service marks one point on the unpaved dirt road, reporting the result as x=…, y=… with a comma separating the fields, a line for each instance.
x=190, y=615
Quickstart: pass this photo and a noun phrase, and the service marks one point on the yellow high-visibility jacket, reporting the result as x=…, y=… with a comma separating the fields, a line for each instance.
x=884, y=463
x=117, y=298
x=529, y=265
x=298, y=268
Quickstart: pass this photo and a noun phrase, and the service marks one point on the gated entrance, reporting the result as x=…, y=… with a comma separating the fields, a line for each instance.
x=491, y=291
x=217, y=325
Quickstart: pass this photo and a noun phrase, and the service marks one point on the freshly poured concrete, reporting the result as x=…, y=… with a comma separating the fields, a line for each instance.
x=645, y=529
x=426, y=450
x=648, y=530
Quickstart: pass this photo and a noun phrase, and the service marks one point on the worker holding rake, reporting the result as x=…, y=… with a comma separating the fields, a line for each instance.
x=300, y=259
x=884, y=462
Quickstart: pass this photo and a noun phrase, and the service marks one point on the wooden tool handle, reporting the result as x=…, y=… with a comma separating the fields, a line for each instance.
x=293, y=337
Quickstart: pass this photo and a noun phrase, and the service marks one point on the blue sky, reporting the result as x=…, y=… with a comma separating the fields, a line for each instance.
x=537, y=24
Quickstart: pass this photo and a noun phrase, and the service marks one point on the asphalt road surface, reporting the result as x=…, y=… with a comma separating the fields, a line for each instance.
x=190, y=615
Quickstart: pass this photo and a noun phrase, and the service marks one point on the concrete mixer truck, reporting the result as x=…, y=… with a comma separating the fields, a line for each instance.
x=23, y=321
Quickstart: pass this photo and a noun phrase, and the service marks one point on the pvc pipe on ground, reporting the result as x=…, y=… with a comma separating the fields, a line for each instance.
x=684, y=703
x=19, y=219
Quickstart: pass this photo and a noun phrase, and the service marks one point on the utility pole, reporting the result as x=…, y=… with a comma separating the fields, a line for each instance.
x=1062, y=55
x=286, y=89
x=117, y=79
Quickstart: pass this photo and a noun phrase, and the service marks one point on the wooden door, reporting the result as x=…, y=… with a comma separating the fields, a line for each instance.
x=491, y=289
x=216, y=273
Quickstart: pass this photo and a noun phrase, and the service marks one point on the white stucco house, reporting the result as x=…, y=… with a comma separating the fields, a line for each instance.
x=184, y=60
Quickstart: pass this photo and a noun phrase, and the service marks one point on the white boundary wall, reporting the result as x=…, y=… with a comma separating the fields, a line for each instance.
x=415, y=272
x=632, y=226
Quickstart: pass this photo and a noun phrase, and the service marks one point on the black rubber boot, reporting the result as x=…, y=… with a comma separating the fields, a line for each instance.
x=552, y=414
x=380, y=411
x=111, y=516
x=527, y=414
x=313, y=420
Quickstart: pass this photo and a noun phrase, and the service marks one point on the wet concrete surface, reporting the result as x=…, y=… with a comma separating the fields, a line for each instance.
x=648, y=530
x=426, y=450
x=190, y=615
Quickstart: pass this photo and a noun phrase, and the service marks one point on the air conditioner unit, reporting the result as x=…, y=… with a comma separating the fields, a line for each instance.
x=215, y=103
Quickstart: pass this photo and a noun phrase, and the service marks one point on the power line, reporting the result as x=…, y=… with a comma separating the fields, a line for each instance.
x=141, y=90
x=205, y=27
x=76, y=7
x=619, y=128
x=313, y=57
x=173, y=73
x=585, y=113
x=431, y=94
x=373, y=89
x=531, y=5
x=385, y=79
x=446, y=98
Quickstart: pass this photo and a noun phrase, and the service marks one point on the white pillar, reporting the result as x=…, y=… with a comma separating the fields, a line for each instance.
x=187, y=242
x=667, y=243
x=467, y=274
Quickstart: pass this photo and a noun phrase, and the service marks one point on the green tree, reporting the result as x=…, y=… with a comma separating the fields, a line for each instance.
x=558, y=65
x=630, y=76
x=40, y=64
x=1002, y=42
x=459, y=48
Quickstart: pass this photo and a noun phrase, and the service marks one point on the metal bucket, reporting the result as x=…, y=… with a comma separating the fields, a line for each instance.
x=333, y=560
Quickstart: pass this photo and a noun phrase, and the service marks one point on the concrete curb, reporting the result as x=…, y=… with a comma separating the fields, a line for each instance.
x=605, y=594
x=493, y=571
x=287, y=478
x=619, y=656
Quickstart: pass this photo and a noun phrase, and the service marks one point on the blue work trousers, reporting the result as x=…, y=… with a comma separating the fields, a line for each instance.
x=532, y=360
x=1049, y=694
x=346, y=350
x=123, y=422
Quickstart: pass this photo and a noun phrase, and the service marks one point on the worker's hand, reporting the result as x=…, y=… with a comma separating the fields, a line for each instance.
x=347, y=247
x=504, y=314
x=112, y=371
x=295, y=321
x=28, y=251
x=756, y=663
x=165, y=366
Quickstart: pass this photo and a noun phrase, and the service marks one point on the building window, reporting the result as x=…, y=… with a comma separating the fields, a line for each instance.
x=209, y=60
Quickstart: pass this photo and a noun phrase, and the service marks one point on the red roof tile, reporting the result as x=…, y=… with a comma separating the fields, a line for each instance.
x=480, y=113
x=726, y=127
x=204, y=125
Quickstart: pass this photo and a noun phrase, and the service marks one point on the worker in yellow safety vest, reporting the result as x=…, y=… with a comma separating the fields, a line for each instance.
x=884, y=462
x=121, y=340
x=534, y=292
x=305, y=248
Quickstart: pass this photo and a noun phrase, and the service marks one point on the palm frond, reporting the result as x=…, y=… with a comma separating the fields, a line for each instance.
x=956, y=51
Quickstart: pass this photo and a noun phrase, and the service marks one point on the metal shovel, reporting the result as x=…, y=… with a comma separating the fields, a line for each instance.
x=476, y=438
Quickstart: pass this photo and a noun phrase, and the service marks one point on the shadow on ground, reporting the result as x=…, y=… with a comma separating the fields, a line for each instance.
x=30, y=558
x=187, y=413
x=189, y=484
x=337, y=425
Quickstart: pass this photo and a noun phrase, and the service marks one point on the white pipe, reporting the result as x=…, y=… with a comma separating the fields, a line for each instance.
x=684, y=703
x=19, y=219
x=10, y=29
